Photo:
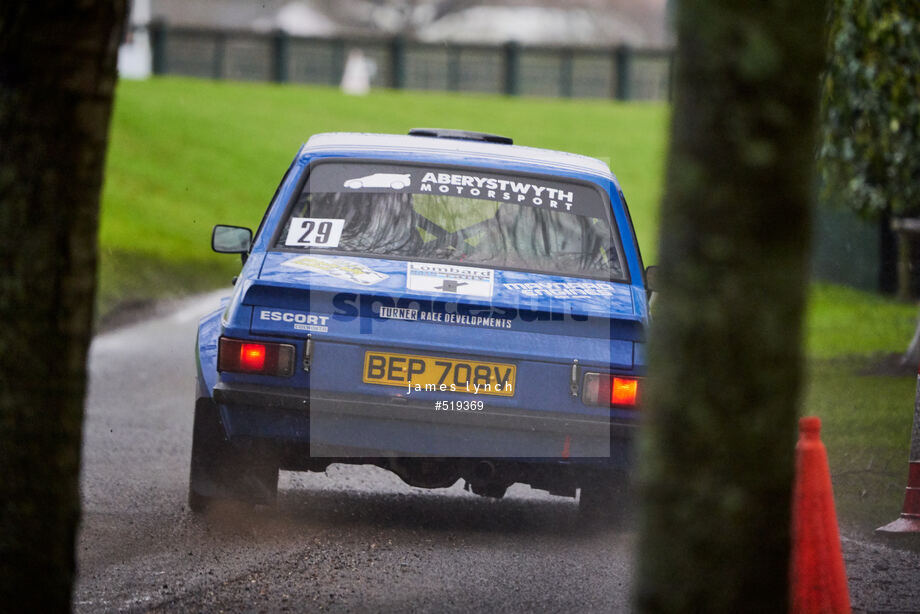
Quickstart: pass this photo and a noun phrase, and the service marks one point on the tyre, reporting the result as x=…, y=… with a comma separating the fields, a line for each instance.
x=221, y=470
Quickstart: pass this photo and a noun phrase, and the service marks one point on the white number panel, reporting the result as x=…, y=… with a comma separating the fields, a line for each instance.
x=314, y=232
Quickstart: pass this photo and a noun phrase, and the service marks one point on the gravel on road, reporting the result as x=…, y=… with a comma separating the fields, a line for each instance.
x=355, y=540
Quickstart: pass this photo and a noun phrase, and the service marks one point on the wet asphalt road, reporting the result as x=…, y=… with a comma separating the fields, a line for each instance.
x=354, y=539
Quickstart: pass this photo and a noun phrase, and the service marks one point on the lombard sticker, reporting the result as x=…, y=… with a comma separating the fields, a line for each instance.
x=314, y=232
x=299, y=321
x=348, y=270
x=449, y=279
x=562, y=289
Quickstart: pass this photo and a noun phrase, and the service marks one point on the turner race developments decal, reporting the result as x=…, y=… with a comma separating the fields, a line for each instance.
x=340, y=268
x=398, y=313
x=404, y=313
x=449, y=279
x=554, y=194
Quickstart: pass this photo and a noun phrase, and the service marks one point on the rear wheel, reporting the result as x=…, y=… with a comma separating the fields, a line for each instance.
x=221, y=470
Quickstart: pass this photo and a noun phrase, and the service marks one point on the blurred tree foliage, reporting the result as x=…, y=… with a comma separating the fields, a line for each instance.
x=870, y=142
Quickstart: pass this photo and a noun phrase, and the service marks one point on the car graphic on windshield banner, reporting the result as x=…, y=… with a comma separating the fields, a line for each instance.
x=395, y=181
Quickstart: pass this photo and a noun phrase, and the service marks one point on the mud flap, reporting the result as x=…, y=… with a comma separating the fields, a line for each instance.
x=221, y=469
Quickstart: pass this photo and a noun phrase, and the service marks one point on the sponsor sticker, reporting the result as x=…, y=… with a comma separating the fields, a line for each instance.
x=348, y=270
x=464, y=319
x=449, y=279
x=314, y=232
x=299, y=321
x=561, y=289
x=401, y=313
x=557, y=194
x=495, y=188
x=398, y=313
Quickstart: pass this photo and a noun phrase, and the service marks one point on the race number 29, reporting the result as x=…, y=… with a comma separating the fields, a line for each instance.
x=314, y=232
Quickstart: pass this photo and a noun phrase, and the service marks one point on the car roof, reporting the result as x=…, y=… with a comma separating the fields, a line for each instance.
x=447, y=150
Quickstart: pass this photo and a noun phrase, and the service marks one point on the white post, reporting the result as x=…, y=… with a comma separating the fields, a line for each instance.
x=134, y=57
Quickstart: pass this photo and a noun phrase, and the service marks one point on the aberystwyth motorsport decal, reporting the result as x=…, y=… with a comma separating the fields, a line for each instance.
x=482, y=184
x=340, y=268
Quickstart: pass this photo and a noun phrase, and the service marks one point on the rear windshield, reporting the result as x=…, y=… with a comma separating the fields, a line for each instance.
x=460, y=216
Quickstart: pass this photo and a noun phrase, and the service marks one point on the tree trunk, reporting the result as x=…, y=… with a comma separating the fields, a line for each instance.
x=725, y=352
x=57, y=77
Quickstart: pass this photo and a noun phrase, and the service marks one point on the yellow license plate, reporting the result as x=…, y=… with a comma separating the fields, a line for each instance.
x=435, y=374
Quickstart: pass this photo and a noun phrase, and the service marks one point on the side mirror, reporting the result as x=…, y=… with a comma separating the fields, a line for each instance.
x=651, y=279
x=231, y=239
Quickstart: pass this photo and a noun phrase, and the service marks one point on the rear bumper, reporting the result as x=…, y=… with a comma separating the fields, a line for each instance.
x=358, y=426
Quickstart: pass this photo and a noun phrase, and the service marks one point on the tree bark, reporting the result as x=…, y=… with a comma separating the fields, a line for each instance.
x=57, y=77
x=725, y=351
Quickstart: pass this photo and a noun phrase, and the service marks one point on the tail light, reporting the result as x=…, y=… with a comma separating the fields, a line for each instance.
x=613, y=390
x=256, y=357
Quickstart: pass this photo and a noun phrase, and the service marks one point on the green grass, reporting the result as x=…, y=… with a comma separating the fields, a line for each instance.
x=186, y=154
x=866, y=418
x=845, y=322
x=866, y=429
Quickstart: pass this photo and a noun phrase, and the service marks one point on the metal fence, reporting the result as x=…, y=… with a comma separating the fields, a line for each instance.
x=623, y=73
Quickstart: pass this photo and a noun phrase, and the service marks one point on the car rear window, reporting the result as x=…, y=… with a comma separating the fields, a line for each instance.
x=454, y=215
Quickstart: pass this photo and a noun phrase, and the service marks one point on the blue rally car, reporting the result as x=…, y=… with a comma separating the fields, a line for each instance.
x=445, y=305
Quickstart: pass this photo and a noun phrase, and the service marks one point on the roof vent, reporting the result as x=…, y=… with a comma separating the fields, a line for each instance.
x=462, y=135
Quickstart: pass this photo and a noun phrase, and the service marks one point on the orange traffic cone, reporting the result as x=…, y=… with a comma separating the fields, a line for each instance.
x=909, y=521
x=819, y=581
